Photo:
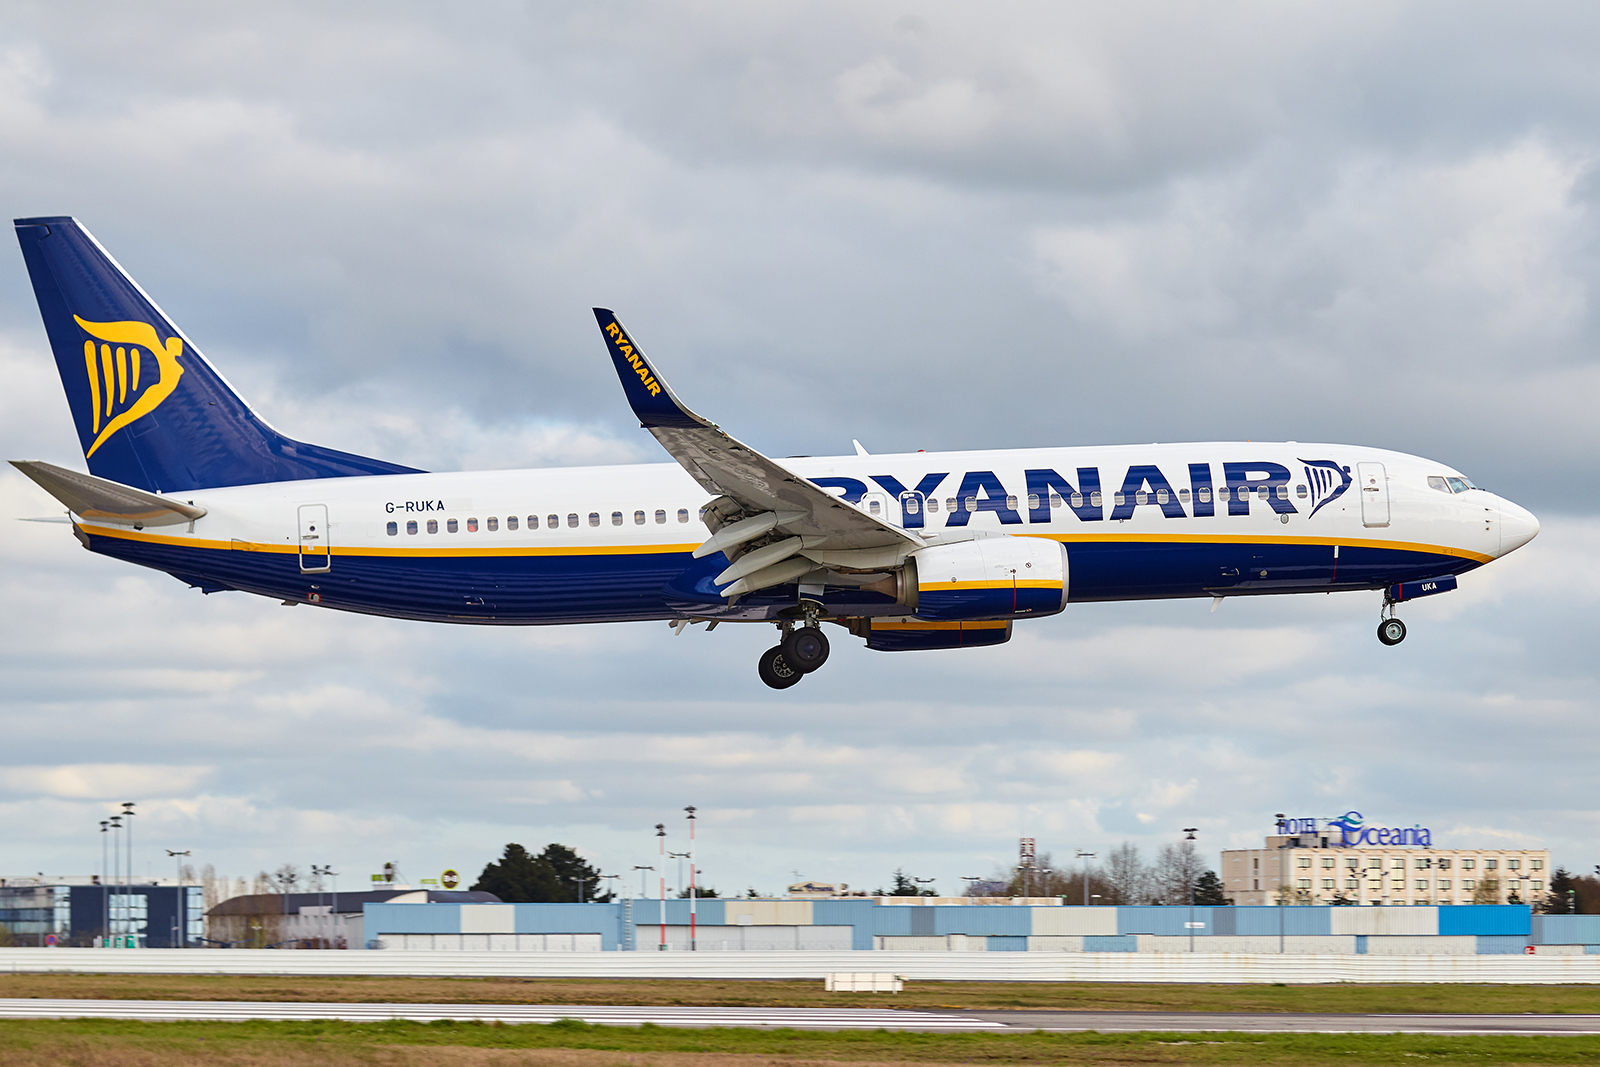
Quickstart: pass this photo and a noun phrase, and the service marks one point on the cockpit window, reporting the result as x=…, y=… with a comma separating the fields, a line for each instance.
x=1449, y=485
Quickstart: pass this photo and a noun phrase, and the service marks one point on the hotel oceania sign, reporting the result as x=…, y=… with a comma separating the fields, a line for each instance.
x=1353, y=832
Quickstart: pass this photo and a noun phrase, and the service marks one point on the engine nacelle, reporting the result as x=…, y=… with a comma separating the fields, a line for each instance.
x=991, y=578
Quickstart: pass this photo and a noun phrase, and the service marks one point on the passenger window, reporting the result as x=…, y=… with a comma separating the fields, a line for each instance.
x=1011, y=503
x=1263, y=492
x=1077, y=500
x=1204, y=495
x=433, y=526
x=1119, y=499
x=933, y=503
x=494, y=523
x=511, y=522
x=616, y=518
x=1436, y=482
x=949, y=503
x=971, y=504
x=452, y=525
x=472, y=525
x=638, y=518
x=1141, y=497
x=661, y=516
x=411, y=526
x=551, y=522
x=1162, y=496
x=572, y=520
x=1183, y=495
x=594, y=518
x=1300, y=491
x=683, y=514
x=1095, y=499
x=872, y=507
x=1055, y=501
x=394, y=529
x=911, y=506
x=1283, y=492
x=1033, y=501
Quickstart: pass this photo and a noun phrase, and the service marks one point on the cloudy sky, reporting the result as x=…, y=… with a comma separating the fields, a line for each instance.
x=923, y=225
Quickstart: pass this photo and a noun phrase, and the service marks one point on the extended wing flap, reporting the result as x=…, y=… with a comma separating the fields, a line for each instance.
x=90, y=497
x=728, y=467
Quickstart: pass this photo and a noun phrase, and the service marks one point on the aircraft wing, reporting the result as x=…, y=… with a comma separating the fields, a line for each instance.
x=99, y=498
x=755, y=490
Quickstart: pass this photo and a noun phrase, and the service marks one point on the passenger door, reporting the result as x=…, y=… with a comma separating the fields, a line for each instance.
x=1374, y=494
x=316, y=553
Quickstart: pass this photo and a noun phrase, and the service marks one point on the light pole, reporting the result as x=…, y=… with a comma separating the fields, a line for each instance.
x=661, y=840
x=692, y=893
x=580, y=879
x=105, y=884
x=1086, y=857
x=1283, y=879
x=116, y=878
x=923, y=881
x=970, y=878
x=1189, y=877
x=327, y=871
x=680, y=857
x=641, y=871
x=127, y=811
x=615, y=884
x=181, y=901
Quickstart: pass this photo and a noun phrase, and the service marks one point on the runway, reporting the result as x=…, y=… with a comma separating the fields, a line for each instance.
x=808, y=1018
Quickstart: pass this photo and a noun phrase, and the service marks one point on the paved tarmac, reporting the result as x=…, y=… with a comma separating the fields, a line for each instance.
x=808, y=1018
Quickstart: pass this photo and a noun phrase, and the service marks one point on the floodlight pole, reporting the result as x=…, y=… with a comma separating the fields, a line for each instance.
x=180, y=909
x=105, y=886
x=1190, y=832
x=661, y=839
x=1283, y=878
x=1086, y=857
x=692, y=892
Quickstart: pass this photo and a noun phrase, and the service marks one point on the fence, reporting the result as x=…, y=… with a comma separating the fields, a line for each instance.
x=918, y=966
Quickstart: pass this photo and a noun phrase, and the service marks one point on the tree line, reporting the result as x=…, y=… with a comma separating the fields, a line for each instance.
x=1123, y=878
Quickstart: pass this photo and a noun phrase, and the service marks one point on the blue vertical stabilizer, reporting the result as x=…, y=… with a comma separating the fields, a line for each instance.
x=150, y=411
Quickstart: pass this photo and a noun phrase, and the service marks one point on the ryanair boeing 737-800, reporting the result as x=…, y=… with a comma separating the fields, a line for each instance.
x=924, y=550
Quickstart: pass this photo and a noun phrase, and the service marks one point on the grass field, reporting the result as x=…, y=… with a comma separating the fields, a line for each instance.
x=988, y=995
x=575, y=1044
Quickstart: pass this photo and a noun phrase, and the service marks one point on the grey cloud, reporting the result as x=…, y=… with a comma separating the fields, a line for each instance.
x=953, y=227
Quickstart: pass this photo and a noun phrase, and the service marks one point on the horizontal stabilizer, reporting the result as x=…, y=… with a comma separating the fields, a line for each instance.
x=97, y=498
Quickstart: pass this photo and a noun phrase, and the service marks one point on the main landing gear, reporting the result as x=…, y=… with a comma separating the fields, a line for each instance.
x=1391, y=631
x=802, y=650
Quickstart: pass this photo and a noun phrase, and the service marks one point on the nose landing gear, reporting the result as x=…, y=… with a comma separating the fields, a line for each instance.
x=1391, y=631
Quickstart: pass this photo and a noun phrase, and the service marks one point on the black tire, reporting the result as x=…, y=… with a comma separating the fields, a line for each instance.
x=806, y=648
x=1391, y=631
x=775, y=670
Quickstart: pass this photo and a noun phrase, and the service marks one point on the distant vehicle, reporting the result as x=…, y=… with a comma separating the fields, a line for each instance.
x=923, y=550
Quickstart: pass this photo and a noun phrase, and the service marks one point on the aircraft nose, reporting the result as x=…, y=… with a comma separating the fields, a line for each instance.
x=1517, y=527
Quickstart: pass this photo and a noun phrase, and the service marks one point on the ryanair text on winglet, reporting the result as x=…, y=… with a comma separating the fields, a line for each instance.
x=625, y=346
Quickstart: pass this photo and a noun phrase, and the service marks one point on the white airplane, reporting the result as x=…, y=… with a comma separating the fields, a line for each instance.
x=922, y=550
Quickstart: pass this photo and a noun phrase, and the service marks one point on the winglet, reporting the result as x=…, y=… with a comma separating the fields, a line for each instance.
x=651, y=398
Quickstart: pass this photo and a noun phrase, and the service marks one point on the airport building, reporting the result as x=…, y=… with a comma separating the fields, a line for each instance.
x=80, y=911
x=1345, y=861
x=925, y=924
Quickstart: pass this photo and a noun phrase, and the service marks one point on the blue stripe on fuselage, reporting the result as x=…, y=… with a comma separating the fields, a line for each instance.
x=536, y=589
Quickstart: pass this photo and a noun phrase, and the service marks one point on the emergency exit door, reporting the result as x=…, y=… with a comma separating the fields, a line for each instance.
x=316, y=554
x=1374, y=494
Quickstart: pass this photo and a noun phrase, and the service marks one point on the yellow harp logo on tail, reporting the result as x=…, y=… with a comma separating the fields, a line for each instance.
x=117, y=367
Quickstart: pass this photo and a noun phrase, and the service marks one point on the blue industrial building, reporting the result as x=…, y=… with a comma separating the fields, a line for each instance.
x=875, y=924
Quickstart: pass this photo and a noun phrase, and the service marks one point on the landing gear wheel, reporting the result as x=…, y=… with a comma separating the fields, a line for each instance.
x=1391, y=631
x=805, y=648
x=775, y=670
